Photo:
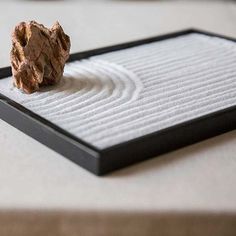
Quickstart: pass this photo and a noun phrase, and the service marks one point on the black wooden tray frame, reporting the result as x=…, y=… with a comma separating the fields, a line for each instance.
x=102, y=161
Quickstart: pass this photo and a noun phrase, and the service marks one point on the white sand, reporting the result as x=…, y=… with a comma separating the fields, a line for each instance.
x=118, y=96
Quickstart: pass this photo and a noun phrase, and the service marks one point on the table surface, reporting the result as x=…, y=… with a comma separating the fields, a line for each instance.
x=198, y=179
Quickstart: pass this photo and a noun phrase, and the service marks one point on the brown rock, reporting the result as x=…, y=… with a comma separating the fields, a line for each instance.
x=38, y=55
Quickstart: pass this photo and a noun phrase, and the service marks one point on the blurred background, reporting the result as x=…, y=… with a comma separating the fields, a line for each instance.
x=97, y=23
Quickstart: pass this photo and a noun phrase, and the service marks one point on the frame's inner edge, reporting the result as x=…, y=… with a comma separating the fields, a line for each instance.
x=6, y=72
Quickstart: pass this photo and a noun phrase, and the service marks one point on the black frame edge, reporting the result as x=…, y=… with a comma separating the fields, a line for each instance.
x=101, y=162
x=166, y=140
x=5, y=72
x=50, y=135
x=99, y=51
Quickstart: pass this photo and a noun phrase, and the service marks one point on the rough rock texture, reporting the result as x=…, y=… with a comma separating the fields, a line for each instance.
x=38, y=55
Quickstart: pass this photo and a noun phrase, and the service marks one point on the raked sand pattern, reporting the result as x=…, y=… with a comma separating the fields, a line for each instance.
x=118, y=96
